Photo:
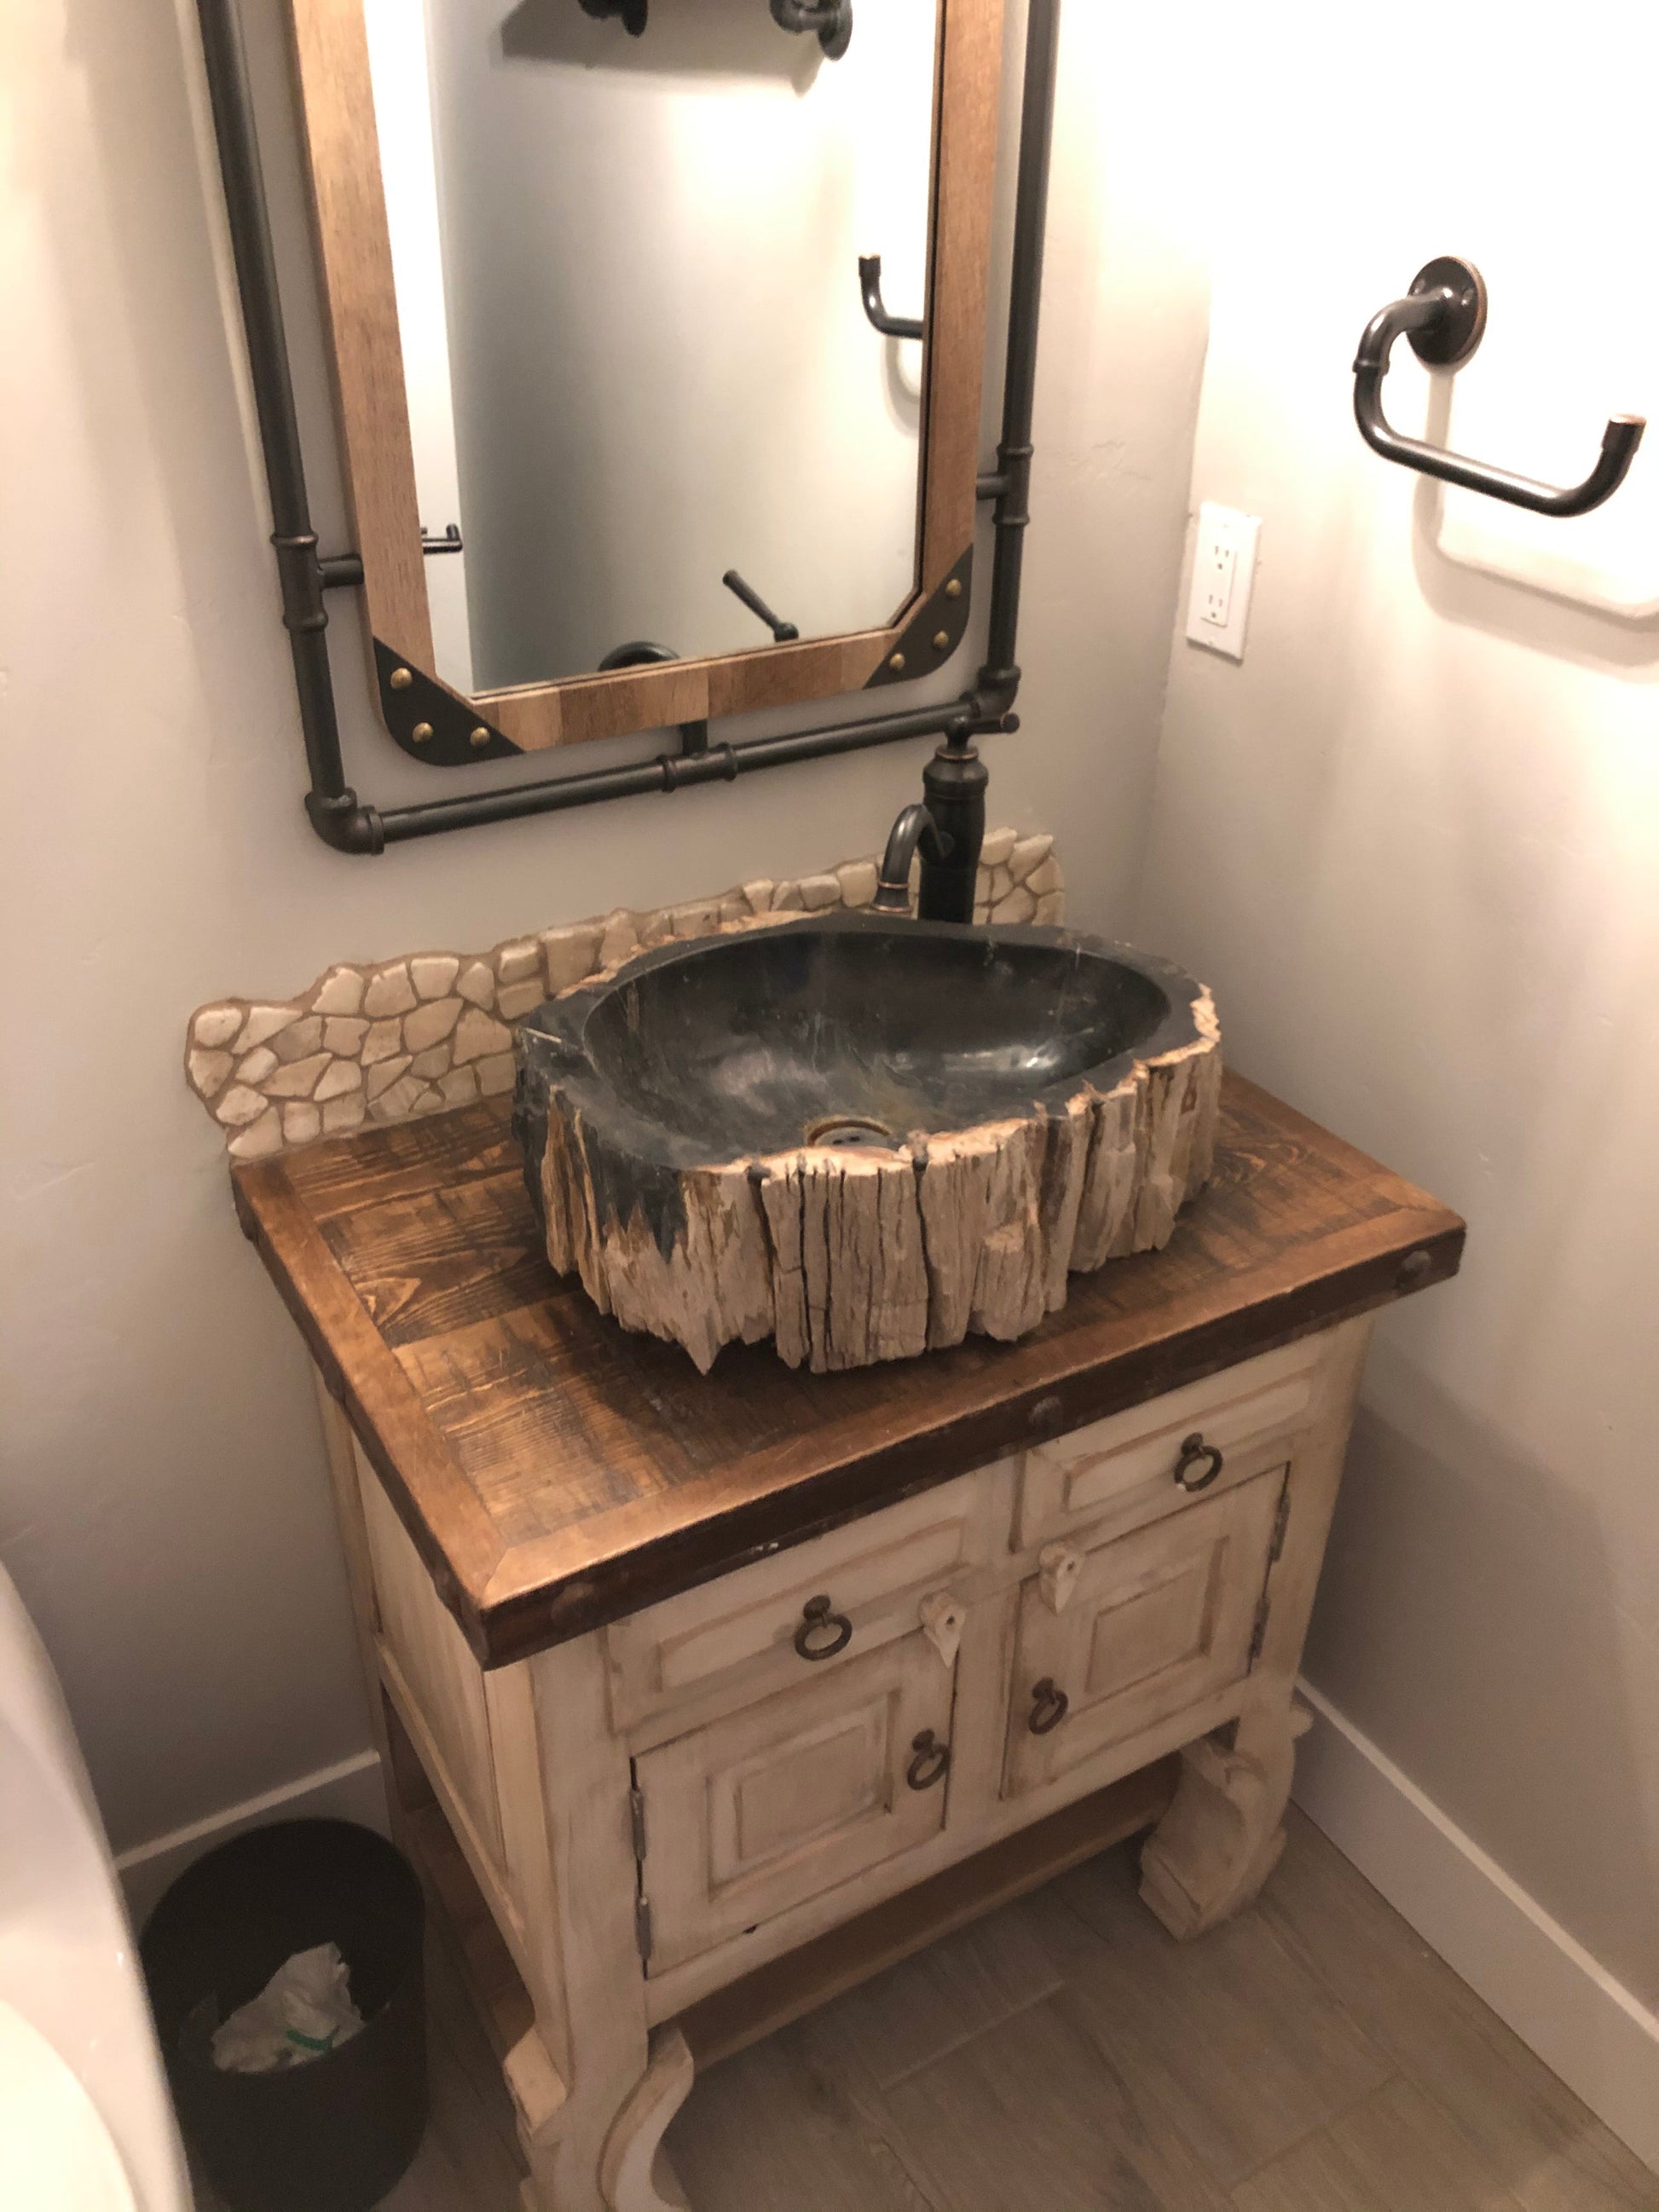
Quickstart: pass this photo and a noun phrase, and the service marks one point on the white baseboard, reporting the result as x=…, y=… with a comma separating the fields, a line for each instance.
x=1586, y=2026
x=352, y=1791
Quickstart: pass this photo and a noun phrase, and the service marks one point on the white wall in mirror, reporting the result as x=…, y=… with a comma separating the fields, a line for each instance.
x=633, y=265
x=402, y=110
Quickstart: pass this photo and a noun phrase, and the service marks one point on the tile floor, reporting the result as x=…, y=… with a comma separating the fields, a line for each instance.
x=1064, y=2055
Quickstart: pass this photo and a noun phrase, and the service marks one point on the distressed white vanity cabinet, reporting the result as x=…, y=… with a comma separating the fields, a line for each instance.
x=703, y=1697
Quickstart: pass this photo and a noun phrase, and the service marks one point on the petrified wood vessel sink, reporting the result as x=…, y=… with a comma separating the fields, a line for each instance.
x=863, y=1136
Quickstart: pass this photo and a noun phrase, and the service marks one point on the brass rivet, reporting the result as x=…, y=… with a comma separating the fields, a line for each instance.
x=941, y=640
x=481, y=736
x=898, y=661
x=401, y=679
x=954, y=589
x=421, y=732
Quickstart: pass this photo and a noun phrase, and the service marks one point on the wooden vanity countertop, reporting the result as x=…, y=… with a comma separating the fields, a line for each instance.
x=556, y=1471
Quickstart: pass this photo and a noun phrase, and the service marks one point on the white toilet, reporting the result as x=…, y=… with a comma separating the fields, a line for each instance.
x=86, y=2125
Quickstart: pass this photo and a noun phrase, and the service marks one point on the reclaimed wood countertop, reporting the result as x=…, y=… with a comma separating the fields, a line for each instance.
x=556, y=1471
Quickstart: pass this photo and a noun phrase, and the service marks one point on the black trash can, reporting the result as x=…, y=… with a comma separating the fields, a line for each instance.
x=333, y=2135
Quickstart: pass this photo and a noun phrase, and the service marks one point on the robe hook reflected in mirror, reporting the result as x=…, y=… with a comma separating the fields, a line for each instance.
x=1444, y=316
x=783, y=633
x=832, y=20
x=890, y=326
x=631, y=12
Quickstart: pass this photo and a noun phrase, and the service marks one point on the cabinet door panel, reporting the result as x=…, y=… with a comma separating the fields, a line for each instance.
x=1153, y=1622
x=783, y=1800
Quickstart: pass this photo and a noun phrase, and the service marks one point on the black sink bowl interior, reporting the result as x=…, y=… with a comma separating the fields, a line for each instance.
x=852, y=1030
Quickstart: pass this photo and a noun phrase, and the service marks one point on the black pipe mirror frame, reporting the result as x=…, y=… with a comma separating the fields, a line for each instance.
x=350, y=824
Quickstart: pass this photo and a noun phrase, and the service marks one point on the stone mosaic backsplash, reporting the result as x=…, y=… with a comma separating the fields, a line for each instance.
x=387, y=1040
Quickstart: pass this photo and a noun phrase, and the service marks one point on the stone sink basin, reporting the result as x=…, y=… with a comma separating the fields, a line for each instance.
x=860, y=1135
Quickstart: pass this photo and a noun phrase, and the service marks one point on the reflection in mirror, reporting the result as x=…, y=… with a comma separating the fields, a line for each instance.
x=646, y=399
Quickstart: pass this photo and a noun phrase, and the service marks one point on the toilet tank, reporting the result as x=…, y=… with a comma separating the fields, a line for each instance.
x=83, y=2093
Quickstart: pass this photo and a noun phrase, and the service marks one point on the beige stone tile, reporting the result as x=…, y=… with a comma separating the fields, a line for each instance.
x=477, y=1034
x=213, y=1026
x=385, y=1041
x=389, y=991
x=477, y=983
x=345, y=1075
x=433, y=974
x=430, y=1023
x=299, y=1080
x=570, y=956
x=299, y=1038
x=515, y=1000
x=238, y=1106
x=264, y=1023
x=340, y=992
x=260, y=1139
x=378, y=1080
x=208, y=1070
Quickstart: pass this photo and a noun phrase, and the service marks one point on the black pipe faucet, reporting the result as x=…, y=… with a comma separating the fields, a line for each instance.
x=946, y=830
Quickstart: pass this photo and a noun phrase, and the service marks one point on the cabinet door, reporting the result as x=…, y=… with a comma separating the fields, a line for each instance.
x=783, y=1800
x=1128, y=1633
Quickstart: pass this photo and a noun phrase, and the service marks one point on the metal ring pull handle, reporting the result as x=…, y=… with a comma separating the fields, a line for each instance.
x=1195, y=1452
x=1445, y=315
x=931, y=1762
x=1049, y=1706
x=816, y=1617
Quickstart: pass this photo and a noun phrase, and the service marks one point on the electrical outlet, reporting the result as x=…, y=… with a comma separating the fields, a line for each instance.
x=1224, y=568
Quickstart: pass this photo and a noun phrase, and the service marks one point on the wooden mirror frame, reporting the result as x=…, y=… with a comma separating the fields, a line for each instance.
x=436, y=724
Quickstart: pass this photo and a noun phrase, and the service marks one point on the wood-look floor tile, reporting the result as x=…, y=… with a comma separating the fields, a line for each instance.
x=1550, y=2151
x=788, y=2126
x=1396, y=2152
x=1228, y=2041
x=1031, y=2117
x=946, y=1995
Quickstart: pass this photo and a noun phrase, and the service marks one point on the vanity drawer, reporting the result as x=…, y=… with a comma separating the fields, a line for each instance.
x=785, y=1799
x=1137, y=1629
x=1122, y=1472
x=748, y=1633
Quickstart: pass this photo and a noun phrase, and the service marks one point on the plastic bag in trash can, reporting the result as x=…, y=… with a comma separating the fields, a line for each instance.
x=303, y=2010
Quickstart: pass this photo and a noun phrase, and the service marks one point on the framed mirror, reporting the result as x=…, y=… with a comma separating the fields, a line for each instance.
x=657, y=330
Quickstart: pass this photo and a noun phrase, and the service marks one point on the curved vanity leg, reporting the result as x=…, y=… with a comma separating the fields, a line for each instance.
x=579, y=2163
x=635, y=2173
x=1222, y=1836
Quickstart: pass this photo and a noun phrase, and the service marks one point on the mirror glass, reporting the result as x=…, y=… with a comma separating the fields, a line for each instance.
x=635, y=341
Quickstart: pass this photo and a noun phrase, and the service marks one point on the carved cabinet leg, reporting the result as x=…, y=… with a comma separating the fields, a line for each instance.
x=578, y=2162
x=1222, y=1836
x=634, y=2171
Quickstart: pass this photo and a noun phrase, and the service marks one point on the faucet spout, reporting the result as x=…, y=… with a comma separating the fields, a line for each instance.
x=914, y=830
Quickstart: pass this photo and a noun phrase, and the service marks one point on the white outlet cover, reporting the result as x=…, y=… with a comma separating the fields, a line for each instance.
x=1223, y=571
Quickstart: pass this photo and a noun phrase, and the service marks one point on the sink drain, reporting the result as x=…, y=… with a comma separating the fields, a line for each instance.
x=850, y=1133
